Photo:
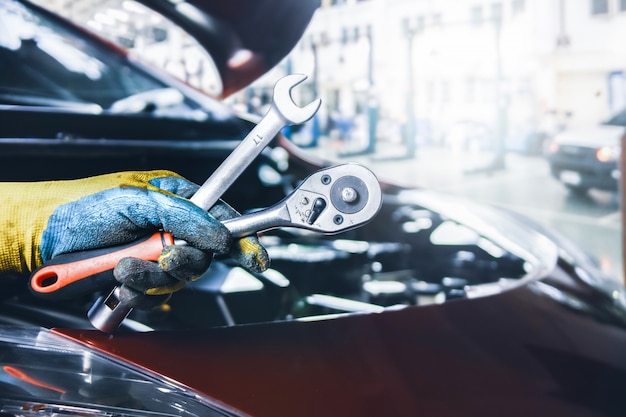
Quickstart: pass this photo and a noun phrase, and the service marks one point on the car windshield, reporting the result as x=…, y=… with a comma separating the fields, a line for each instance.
x=44, y=64
x=618, y=120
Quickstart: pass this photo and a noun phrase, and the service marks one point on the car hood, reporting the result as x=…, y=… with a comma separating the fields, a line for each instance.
x=245, y=38
x=592, y=136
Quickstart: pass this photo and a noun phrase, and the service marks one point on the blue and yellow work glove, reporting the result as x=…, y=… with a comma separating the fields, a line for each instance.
x=42, y=220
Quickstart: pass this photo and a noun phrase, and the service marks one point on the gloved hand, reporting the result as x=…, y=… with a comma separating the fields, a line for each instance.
x=44, y=219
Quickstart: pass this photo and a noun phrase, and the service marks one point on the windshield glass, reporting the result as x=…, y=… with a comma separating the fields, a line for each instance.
x=44, y=64
x=618, y=120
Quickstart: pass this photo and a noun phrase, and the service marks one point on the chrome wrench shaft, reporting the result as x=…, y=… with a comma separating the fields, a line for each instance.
x=283, y=112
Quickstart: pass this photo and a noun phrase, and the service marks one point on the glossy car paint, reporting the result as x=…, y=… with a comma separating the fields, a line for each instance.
x=265, y=32
x=550, y=347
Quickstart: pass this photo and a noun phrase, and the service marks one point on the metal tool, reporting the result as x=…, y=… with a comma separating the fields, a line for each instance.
x=330, y=201
x=66, y=274
x=283, y=112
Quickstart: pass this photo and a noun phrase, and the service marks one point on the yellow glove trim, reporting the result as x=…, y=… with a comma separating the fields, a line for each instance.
x=165, y=290
x=250, y=248
x=164, y=261
x=27, y=207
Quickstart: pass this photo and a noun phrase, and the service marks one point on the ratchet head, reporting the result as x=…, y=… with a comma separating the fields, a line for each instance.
x=335, y=199
x=283, y=102
x=329, y=201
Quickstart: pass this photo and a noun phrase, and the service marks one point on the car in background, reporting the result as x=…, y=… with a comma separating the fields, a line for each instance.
x=438, y=307
x=587, y=158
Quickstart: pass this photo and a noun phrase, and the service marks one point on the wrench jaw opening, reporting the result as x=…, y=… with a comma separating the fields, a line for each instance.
x=335, y=199
x=283, y=102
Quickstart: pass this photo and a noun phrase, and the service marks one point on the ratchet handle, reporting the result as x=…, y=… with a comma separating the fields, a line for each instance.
x=75, y=273
x=71, y=274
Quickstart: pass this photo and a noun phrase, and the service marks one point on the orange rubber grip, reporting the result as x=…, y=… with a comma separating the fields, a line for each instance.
x=66, y=275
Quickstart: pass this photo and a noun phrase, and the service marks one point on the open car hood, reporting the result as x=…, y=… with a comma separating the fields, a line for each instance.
x=245, y=38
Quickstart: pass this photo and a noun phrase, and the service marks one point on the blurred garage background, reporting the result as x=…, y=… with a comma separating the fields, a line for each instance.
x=463, y=96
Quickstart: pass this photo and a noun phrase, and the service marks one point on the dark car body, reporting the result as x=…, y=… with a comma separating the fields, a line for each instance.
x=520, y=353
x=586, y=158
x=438, y=307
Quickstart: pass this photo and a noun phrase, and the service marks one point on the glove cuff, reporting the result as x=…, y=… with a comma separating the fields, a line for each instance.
x=22, y=221
x=27, y=206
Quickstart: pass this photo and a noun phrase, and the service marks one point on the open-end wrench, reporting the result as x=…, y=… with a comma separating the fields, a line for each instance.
x=283, y=112
x=329, y=201
x=67, y=274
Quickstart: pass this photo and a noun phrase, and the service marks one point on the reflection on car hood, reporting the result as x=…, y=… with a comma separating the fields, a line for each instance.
x=245, y=38
x=592, y=136
x=502, y=227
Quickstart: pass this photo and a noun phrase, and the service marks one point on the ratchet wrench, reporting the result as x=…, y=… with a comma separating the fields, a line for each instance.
x=329, y=201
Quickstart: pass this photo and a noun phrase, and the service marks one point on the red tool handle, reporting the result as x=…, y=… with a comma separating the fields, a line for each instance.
x=74, y=273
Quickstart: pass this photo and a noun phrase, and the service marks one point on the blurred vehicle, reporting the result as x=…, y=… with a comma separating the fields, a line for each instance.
x=438, y=307
x=587, y=158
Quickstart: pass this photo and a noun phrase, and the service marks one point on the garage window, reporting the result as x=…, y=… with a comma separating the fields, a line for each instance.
x=600, y=6
x=476, y=15
x=518, y=6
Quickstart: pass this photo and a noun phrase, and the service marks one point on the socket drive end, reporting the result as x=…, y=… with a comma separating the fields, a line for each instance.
x=108, y=312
